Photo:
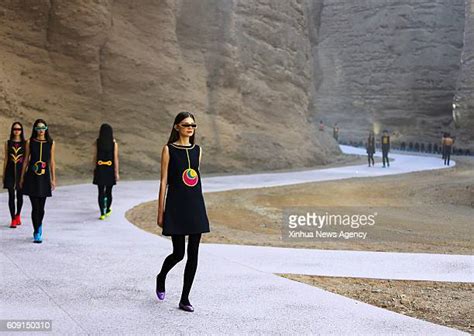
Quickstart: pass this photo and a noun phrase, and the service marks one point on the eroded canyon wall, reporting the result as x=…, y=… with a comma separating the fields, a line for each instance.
x=243, y=67
x=259, y=75
x=464, y=100
x=388, y=64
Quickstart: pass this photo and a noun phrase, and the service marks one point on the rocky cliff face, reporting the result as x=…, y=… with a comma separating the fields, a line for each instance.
x=243, y=67
x=259, y=74
x=388, y=64
x=464, y=100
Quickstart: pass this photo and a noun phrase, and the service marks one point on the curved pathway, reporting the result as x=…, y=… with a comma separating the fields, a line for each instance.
x=97, y=277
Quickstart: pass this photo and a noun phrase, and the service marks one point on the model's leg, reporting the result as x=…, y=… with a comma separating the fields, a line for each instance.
x=11, y=201
x=191, y=266
x=42, y=203
x=171, y=261
x=19, y=202
x=373, y=162
x=368, y=158
x=35, y=212
x=100, y=199
x=108, y=194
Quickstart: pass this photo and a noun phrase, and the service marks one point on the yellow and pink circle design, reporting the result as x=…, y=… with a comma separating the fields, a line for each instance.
x=190, y=177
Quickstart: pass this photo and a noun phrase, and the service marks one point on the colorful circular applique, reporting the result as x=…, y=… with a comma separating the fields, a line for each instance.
x=190, y=177
x=39, y=168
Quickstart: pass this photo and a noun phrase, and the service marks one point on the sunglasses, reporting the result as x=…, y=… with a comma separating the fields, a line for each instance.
x=18, y=129
x=41, y=128
x=188, y=125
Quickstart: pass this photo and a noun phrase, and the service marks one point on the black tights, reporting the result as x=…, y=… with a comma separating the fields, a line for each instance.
x=447, y=155
x=177, y=256
x=104, y=204
x=11, y=201
x=385, y=158
x=37, y=211
x=371, y=158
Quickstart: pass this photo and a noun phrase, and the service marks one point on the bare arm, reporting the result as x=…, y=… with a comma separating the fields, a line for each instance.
x=165, y=158
x=200, y=155
x=116, y=160
x=52, y=161
x=25, y=163
x=5, y=161
x=94, y=155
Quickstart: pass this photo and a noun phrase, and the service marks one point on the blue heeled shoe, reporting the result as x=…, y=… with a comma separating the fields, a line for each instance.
x=37, y=238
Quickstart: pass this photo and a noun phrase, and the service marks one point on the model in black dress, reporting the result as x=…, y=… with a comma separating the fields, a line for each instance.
x=13, y=163
x=385, y=140
x=185, y=211
x=38, y=177
x=371, y=148
x=106, y=168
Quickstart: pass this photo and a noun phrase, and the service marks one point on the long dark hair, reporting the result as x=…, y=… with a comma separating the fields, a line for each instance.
x=105, y=141
x=22, y=135
x=174, y=133
x=371, y=139
x=34, y=133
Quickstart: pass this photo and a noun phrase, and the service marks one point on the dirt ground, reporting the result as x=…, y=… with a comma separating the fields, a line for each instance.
x=430, y=212
x=427, y=212
x=445, y=303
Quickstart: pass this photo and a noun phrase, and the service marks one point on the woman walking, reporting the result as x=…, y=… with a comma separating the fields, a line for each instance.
x=385, y=141
x=13, y=163
x=106, y=171
x=371, y=148
x=38, y=175
x=185, y=212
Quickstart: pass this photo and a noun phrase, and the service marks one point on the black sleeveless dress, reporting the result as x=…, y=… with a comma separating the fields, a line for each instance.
x=104, y=172
x=16, y=156
x=37, y=182
x=185, y=211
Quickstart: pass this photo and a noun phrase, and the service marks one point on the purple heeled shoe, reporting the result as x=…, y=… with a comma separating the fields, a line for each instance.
x=186, y=307
x=161, y=295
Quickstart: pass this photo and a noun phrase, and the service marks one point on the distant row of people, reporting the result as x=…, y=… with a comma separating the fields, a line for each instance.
x=446, y=148
x=447, y=142
x=385, y=141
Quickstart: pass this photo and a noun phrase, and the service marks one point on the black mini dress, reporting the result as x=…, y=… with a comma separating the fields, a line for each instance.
x=16, y=156
x=185, y=211
x=37, y=180
x=104, y=172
